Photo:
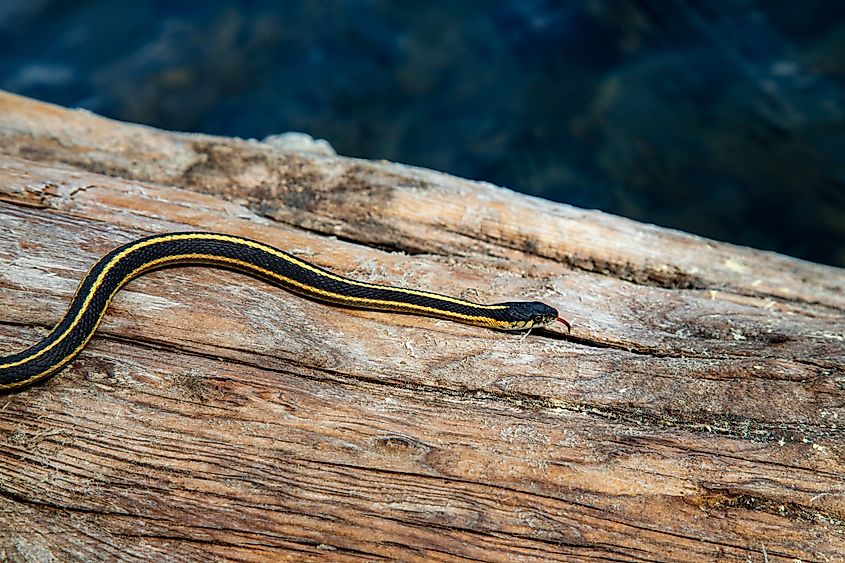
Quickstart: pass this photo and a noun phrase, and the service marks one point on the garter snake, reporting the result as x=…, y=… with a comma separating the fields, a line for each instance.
x=275, y=266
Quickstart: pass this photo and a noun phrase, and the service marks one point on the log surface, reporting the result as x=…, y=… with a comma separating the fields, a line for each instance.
x=695, y=412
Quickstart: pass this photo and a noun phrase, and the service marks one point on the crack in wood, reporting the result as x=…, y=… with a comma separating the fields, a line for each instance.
x=721, y=499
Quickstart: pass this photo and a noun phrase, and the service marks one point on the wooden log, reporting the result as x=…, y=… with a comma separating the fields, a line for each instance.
x=694, y=413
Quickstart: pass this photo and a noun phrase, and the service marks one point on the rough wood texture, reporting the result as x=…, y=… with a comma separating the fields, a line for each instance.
x=695, y=413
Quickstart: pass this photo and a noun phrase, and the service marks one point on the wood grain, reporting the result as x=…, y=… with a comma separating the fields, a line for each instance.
x=692, y=415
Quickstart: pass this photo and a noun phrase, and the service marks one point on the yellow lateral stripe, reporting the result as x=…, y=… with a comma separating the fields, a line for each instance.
x=270, y=250
x=337, y=297
x=311, y=268
x=106, y=269
x=85, y=304
x=72, y=355
x=245, y=266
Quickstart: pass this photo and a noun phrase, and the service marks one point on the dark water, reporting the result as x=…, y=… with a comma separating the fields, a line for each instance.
x=720, y=117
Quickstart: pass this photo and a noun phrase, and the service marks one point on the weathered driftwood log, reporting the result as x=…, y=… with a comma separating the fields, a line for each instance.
x=695, y=412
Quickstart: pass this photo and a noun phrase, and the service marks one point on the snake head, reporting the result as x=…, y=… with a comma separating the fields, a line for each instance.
x=524, y=315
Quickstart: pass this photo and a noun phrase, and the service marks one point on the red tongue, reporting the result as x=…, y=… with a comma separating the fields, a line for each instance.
x=564, y=321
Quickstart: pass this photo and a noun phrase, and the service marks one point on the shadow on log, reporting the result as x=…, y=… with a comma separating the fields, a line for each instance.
x=694, y=413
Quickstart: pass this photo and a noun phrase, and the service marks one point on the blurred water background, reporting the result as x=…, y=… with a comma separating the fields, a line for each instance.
x=718, y=117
